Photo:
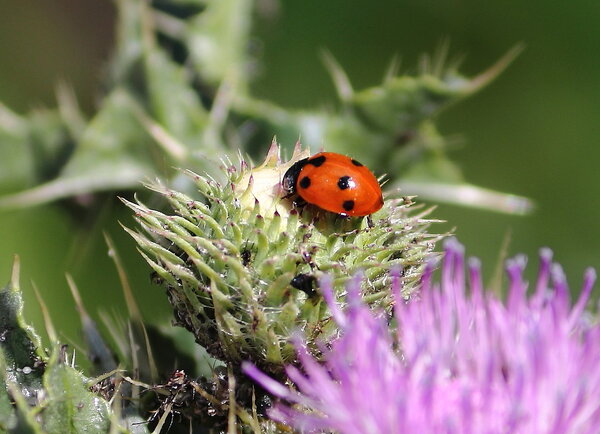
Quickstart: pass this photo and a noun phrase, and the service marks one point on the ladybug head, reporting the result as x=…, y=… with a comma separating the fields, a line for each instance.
x=288, y=183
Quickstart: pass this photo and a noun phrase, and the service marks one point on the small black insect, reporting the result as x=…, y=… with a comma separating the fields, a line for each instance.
x=246, y=257
x=305, y=283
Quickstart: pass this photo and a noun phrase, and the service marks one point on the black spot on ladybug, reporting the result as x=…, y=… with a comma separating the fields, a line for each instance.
x=318, y=161
x=344, y=182
x=305, y=182
x=356, y=163
x=348, y=205
x=305, y=283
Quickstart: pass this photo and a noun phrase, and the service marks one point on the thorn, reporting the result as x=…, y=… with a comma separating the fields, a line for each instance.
x=495, y=70
x=273, y=154
x=297, y=147
x=393, y=69
x=339, y=77
x=47, y=319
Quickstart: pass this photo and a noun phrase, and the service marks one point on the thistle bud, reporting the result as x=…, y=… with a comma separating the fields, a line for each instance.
x=241, y=263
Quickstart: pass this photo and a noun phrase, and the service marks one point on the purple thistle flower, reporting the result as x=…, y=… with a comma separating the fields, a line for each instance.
x=461, y=360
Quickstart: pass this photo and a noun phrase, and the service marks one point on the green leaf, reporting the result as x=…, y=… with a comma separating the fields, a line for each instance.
x=16, y=165
x=50, y=143
x=46, y=390
x=218, y=40
x=8, y=419
x=396, y=116
x=113, y=147
x=24, y=420
x=128, y=44
x=174, y=103
x=69, y=406
x=33, y=148
x=113, y=154
x=19, y=344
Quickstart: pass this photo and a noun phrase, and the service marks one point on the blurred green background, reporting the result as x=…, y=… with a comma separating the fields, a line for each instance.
x=533, y=132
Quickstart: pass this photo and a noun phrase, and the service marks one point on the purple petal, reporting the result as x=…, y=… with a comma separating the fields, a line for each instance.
x=271, y=385
x=326, y=285
x=588, y=283
x=544, y=273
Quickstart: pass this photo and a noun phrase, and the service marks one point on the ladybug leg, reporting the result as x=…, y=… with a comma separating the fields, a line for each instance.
x=308, y=259
x=370, y=223
x=299, y=203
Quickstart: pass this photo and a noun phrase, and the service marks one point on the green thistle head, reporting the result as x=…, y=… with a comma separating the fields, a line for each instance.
x=241, y=264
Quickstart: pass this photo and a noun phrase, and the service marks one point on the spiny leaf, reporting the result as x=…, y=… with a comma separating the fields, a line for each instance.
x=46, y=391
x=218, y=38
x=69, y=406
x=34, y=147
x=112, y=154
x=24, y=420
x=8, y=418
x=174, y=103
x=128, y=44
x=20, y=345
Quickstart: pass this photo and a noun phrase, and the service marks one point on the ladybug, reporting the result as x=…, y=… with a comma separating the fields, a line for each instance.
x=335, y=183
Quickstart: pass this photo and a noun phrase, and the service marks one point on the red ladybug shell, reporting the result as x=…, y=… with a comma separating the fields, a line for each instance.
x=335, y=183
